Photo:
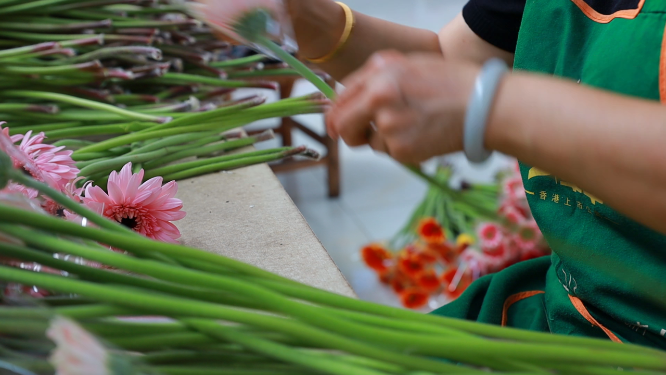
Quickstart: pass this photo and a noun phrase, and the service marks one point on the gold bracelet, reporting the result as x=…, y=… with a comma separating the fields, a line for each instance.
x=350, y=22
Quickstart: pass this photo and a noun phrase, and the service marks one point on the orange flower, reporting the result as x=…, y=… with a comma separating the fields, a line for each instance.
x=376, y=257
x=386, y=277
x=430, y=231
x=398, y=285
x=428, y=281
x=427, y=256
x=455, y=282
x=445, y=251
x=414, y=298
x=410, y=265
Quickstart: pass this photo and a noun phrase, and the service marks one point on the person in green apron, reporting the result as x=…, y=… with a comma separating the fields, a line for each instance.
x=582, y=113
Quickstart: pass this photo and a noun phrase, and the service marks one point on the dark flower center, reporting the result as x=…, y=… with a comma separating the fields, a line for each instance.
x=130, y=223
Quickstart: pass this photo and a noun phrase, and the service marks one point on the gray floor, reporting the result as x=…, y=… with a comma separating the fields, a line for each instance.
x=377, y=194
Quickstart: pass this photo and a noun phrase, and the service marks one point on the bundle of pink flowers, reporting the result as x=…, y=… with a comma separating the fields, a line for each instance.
x=149, y=208
x=145, y=207
x=500, y=246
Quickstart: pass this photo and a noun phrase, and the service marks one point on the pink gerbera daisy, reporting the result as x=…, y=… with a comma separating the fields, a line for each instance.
x=490, y=236
x=55, y=163
x=14, y=188
x=147, y=208
x=513, y=212
x=46, y=163
x=514, y=189
x=528, y=236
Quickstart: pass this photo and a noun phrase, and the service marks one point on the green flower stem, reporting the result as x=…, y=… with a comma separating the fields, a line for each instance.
x=82, y=103
x=83, y=131
x=79, y=209
x=23, y=327
x=45, y=127
x=236, y=63
x=182, y=167
x=94, y=15
x=325, y=298
x=38, y=37
x=262, y=73
x=136, y=244
x=241, y=107
x=73, y=143
x=221, y=125
x=30, y=5
x=112, y=52
x=199, y=356
x=93, y=311
x=166, y=272
x=175, y=306
x=201, y=151
x=184, y=339
x=362, y=361
x=277, y=351
x=248, y=107
x=401, y=325
x=55, y=27
x=104, y=276
x=228, y=165
x=490, y=215
x=298, y=66
x=162, y=341
x=197, y=139
x=102, y=155
x=106, y=166
x=134, y=98
x=457, y=350
x=14, y=107
x=27, y=49
x=78, y=69
x=184, y=79
x=184, y=370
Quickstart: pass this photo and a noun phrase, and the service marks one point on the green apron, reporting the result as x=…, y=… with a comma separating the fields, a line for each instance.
x=622, y=51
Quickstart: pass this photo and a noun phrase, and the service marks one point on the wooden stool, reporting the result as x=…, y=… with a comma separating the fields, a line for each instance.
x=287, y=126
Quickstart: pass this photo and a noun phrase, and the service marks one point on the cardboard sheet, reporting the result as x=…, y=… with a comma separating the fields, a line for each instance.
x=246, y=215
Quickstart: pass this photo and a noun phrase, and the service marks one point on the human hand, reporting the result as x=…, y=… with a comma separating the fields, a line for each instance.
x=409, y=106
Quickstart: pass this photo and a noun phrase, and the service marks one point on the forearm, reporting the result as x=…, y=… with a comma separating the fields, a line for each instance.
x=609, y=145
x=318, y=25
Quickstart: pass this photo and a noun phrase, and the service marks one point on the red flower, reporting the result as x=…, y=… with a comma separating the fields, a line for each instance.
x=376, y=257
x=414, y=298
x=428, y=281
x=430, y=231
x=455, y=281
x=410, y=265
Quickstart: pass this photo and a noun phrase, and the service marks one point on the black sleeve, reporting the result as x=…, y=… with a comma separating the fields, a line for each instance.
x=495, y=21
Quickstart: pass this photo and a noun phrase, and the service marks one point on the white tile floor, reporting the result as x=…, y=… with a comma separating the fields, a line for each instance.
x=377, y=194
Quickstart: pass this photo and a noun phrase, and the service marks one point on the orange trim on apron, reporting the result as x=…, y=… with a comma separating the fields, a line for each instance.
x=606, y=18
x=662, y=70
x=578, y=304
x=515, y=298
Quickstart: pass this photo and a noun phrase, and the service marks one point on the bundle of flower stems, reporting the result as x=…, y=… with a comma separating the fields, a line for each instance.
x=81, y=69
x=228, y=317
x=457, y=210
